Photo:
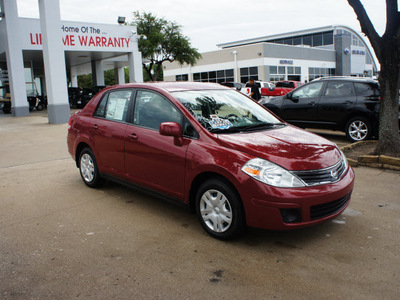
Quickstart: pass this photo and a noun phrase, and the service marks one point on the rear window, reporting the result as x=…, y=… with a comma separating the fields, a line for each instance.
x=285, y=84
x=366, y=89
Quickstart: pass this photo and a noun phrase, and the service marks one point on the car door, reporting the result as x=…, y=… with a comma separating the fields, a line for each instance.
x=108, y=129
x=300, y=106
x=336, y=103
x=153, y=160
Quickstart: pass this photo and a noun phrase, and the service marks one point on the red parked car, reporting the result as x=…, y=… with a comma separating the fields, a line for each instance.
x=282, y=88
x=214, y=149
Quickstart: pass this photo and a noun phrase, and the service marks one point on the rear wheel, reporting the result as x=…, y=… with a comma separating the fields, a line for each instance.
x=219, y=209
x=358, y=129
x=88, y=168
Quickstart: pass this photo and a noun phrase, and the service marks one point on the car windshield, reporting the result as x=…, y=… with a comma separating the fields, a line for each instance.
x=226, y=111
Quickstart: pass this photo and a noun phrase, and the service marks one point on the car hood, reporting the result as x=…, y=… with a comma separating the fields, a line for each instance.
x=272, y=99
x=289, y=147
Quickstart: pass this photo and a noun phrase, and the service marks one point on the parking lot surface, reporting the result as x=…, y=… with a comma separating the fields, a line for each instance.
x=61, y=240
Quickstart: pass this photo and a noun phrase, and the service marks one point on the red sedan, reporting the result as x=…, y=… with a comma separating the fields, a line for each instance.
x=214, y=149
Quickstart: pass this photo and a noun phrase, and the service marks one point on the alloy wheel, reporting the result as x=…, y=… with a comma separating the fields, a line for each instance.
x=216, y=211
x=358, y=130
x=87, y=167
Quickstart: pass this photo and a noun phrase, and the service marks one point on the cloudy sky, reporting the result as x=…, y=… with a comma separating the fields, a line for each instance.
x=211, y=22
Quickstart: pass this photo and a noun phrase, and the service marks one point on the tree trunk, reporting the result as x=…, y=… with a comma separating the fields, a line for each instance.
x=158, y=70
x=387, y=50
x=148, y=69
x=389, y=79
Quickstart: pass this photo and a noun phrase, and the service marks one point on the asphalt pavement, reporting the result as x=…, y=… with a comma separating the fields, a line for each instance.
x=61, y=240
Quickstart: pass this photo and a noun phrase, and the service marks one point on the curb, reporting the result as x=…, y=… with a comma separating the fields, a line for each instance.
x=373, y=161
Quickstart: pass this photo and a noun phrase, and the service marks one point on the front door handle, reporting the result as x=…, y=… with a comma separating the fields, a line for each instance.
x=311, y=103
x=95, y=126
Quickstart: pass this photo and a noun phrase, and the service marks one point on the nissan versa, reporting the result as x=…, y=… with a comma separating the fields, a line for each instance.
x=214, y=149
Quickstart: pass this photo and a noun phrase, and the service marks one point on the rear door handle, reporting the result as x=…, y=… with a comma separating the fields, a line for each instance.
x=95, y=126
x=311, y=103
x=133, y=136
x=348, y=102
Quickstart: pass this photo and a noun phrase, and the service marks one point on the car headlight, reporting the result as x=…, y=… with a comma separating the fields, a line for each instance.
x=346, y=163
x=271, y=174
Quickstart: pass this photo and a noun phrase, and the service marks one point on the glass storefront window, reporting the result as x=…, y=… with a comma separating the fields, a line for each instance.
x=328, y=38
x=214, y=76
x=298, y=40
x=246, y=73
x=220, y=73
x=288, y=41
x=229, y=73
x=317, y=39
x=273, y=70
x=183, y=77
x=307, y=40
x=253, y=71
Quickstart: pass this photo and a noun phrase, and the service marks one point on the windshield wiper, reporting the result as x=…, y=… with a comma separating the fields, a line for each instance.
x=261, y=126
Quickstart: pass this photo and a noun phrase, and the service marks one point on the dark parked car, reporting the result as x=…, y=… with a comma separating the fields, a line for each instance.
x=348, y=104
x=214, y=149
x=83, y=96
x=74, y=96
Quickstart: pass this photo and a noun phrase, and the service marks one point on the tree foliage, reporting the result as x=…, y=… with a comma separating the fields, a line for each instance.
x=387, y=50
x=160, y=41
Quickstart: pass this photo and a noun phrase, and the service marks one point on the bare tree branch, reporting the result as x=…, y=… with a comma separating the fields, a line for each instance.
x=367, y=27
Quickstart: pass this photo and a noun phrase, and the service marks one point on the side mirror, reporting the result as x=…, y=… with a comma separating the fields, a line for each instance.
x=172, y=129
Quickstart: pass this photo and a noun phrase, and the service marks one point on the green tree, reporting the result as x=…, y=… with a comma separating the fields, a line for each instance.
x=145, y=75
x=160, y=41
x=387, y=50
x=109, y=77
x=85, y=81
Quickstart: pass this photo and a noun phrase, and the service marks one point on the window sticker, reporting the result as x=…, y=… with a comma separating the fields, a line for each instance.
x=218, y=123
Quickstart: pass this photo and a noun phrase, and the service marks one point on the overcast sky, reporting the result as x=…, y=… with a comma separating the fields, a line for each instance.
x=211, y=22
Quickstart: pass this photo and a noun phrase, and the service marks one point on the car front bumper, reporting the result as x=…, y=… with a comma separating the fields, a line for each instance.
x=273, y=208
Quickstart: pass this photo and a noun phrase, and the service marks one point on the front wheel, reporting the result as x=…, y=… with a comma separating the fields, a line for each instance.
x=40, y=107
x=358, y=129
x=88, y=169
x=219, y=209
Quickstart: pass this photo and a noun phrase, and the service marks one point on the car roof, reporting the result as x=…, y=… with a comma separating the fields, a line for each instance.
x=346, y=78
x=179, y=86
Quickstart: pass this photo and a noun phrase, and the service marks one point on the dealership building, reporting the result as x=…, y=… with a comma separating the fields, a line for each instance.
x=301, y=55
x=37, y=54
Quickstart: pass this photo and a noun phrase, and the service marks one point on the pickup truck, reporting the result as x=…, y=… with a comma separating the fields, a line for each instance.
x=264, y=87
x=282, y=88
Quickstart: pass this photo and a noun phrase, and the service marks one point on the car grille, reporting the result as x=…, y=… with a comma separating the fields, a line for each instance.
x=323, y=176
x=327, y=209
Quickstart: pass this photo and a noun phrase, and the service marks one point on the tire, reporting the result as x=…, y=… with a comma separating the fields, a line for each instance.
x=219, y=209
x=358, y=129
x=6, y=109
x=40, y=107
x=88, y=168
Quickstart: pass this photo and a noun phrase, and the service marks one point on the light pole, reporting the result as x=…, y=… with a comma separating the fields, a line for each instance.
x=235, y=71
